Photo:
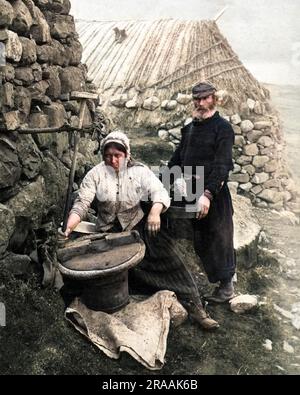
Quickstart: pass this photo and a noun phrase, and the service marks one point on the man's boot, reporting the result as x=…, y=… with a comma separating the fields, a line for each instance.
x=198, y=314
x=223, y=293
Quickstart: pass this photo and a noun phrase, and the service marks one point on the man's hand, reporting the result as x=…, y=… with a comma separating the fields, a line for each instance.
x=203, y=207
x=153, y=220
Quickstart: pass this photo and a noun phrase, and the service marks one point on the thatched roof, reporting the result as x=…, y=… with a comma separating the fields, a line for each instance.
x=163, y=58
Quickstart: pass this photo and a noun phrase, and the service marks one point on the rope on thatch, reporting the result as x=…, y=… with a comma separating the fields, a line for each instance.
x=197, y=70
x=187, y=64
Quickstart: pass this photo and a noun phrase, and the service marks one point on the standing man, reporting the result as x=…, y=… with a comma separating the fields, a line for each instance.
x=207, y=141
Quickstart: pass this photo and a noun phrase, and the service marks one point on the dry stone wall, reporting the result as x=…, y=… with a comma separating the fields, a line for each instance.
x=40, y=65
x=260, y=170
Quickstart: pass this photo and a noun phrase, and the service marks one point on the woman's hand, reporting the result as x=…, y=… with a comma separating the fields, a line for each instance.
x=73, y=221
x=203, y=207
x=153, y=220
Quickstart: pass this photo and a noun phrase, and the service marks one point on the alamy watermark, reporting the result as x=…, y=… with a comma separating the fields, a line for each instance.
x=2, y=314
x=2, y=55
x=183, y=184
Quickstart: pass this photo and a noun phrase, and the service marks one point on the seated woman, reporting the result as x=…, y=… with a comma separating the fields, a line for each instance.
x=119, y=185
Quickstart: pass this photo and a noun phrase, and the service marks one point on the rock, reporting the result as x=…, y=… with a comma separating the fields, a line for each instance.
x=8, y=72
x=261, y=204
x=276, y=206
x=247, y=126
x=40, y=30
x=235, y=119
x=54, y=87
x=163, y=134
x=257, y=189
x=244, y=160
x=151, y=103
x=176, y=132
x=119, y=100
x=10, y=168
x=18, y=265
x=56, y=175
x=260, y=161
x=12, y=120
x=8, y=95
x=30, y=202
x=270, y=196
x=22, y=21
x=271, y=166
x=38, y=120
x=233, y=187
x=72, y=106
x=251, y=104
x=72, y=79
x=73, y=52
x=29, y=156
x=56, y=114
x=59, y=53
x=268, y=345
x=133, y=103
x=272, y=183
x=222, y=97
x=37, y=72
x=25, y=75
x=254, y=135
x=240, y=178
x=239, y=141
x=45, y=54
x=246, y=232
x=183, y=99
x=243, y=303
x=262, y=125
x=187, y=121
x=169, y=105
x=244, y=111
x=13, y=47
x=249, y=169
x=29, y=55
x=259, y=108
x=7, y=220
x=236, y=168
x=61, y=26
x=246, y=187
x=3, y=37
x=22, y=102
x=260, y=178
x=6, y=14
x=236, y=129
x=288, y=348
x=265, y=141
x=251, y=150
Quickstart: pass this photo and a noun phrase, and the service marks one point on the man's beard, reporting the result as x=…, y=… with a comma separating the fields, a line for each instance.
x=205, y=110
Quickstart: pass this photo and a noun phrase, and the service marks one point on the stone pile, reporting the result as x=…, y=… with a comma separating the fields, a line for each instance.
x=40, y=65
x=260, y=171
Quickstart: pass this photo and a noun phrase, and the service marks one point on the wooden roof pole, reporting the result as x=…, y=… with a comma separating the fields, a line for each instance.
x=218, y=16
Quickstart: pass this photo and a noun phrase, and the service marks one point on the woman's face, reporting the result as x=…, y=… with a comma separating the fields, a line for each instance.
x=114, y=158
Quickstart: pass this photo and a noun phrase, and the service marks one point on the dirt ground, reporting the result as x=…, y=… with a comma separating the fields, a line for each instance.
x=38, y=340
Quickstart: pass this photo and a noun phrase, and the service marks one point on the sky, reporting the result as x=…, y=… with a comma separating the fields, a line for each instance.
x=264, y=33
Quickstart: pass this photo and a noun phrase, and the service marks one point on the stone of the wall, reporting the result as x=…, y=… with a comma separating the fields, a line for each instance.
x=30, y=202
x=22, y=21
x=6, y=14
x=29, y=156
x=28, y=50
x=7, y=220
x=13, y=47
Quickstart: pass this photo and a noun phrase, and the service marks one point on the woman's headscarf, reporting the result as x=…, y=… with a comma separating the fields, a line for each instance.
x=116, y=137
